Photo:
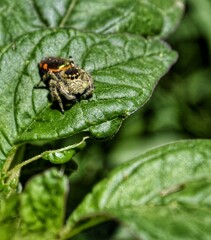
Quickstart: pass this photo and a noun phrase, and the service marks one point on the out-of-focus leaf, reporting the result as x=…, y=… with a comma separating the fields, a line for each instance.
x=163, y=194
x=125, y=70
x=38, y=212
x=42, y=204
x=8, y=217
x=200, y=17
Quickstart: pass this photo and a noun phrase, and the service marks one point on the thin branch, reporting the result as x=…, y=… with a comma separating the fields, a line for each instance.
x=10, y=159
x=19, y=166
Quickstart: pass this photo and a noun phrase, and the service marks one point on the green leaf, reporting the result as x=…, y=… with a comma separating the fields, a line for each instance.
x=39, y=211
x=8, y=217
x=42, y=204
x=65, y=154
x=125, y=70
x=148, y=18
x=154, y=193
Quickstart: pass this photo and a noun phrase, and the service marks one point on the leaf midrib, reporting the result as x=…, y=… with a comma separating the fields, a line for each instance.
x=67, y=14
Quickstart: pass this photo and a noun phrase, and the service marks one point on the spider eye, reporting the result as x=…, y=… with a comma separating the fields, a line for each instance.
x=71, y=71
x=71, y=62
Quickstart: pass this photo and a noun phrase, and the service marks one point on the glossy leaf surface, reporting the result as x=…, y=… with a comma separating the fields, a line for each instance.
x=154, y=193
x=149, y=18
x=125, y=70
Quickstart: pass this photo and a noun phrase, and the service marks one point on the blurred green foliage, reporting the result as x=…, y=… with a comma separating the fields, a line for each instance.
x=180, y=107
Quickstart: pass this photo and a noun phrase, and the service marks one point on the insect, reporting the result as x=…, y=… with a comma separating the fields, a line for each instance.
x=64, y=80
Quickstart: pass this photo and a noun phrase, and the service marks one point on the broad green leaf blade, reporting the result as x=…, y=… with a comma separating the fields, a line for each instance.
x=153, y=193
x=149, y=18
x=125, y=70
x=155, y=223
x=42, y=203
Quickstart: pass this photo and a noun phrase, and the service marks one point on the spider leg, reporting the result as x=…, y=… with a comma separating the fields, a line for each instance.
x=63, y=90
x=88, y=82
x=53, y=87
x=53, y=76
x=38, y=84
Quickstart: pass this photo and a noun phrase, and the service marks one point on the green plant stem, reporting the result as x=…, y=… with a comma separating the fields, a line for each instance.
x=67, y=233
x=19, y=166
x=68, y=13
x=11, y=177
x=10, y=159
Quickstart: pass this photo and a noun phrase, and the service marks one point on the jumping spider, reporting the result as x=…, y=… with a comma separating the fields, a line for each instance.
x=65, y=80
